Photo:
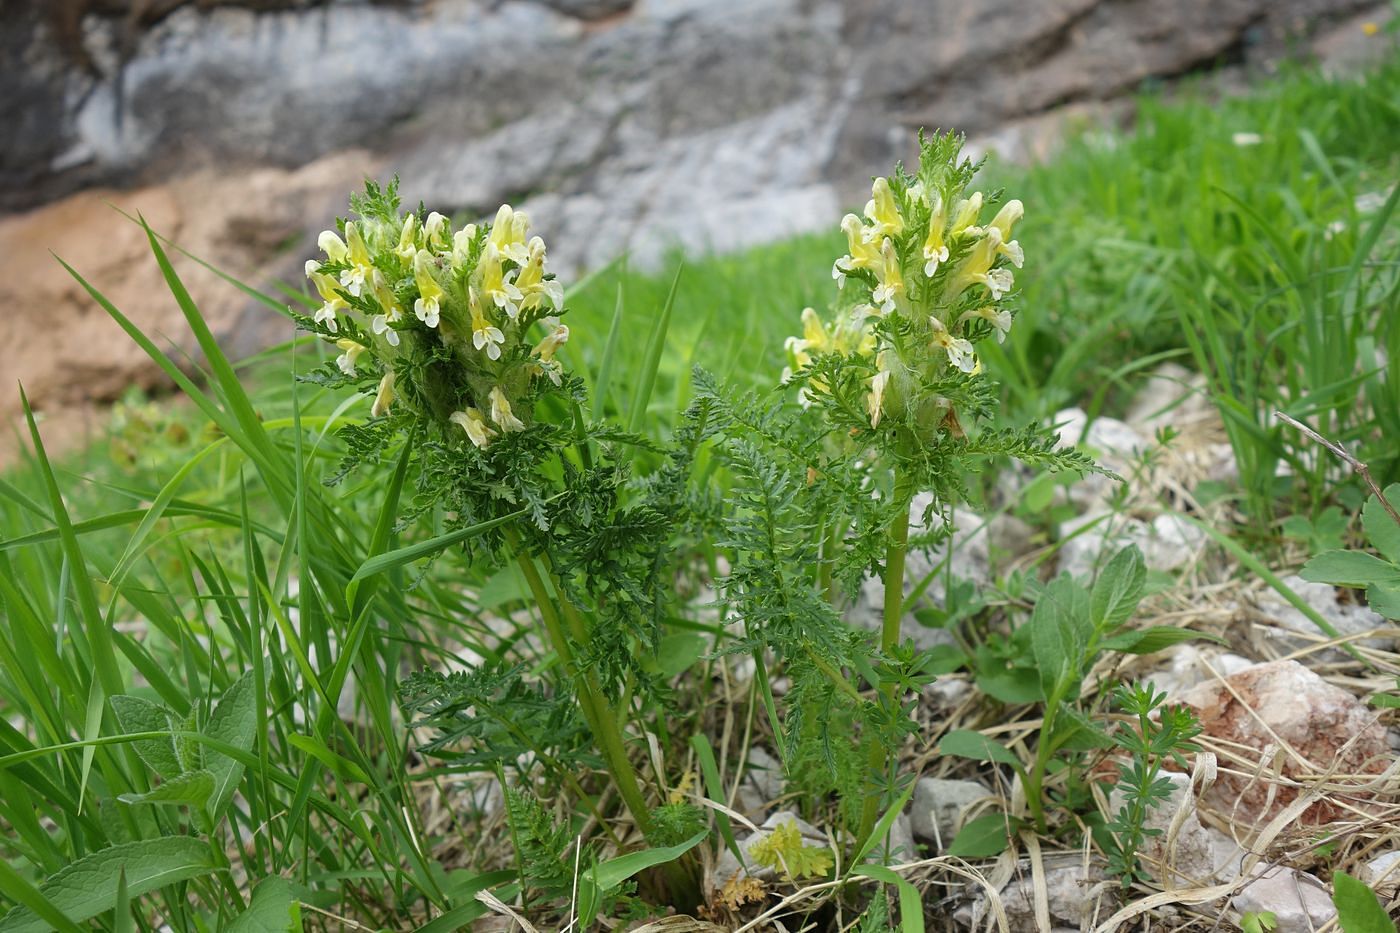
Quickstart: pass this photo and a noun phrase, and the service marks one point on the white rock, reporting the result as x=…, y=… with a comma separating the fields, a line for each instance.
x=1171, y=396
x=727, y=866
x=1299, y=902
x=1382, y=873
x=936, y=812
x=1189, y=665
x=1197, y=855
x=1076, y=895
x=902, y=847
x=1167, y=542
x=1346, y=618
x=1111, y=442
x=764, y=775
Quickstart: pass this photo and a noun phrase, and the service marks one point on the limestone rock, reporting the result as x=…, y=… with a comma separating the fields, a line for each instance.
x=1198, y=855
x=1077, y=895
x=1382, y=874
x=1299, y=902
x=902, y=847
x=762, y=784
x=1284, y=701
x=1171, y=396
x=936, y=812
x=1114, y=444
x=1187, y=667
x=1347, y=618
x=1167, y=542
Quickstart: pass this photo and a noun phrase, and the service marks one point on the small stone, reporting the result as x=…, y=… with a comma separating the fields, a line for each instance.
x=1382, y=874
x=1076, y=894
x=1298, y=901
x=1189, y=665
x=1170, y=397
x=1114, y=444
x=764, y=774
x=1198, y=855
x=936, y=813
x=901, y=840
x=1263, y=705
x=1167, y=542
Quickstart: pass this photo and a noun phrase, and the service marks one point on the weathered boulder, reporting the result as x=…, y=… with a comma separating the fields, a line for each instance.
x=1299, y=902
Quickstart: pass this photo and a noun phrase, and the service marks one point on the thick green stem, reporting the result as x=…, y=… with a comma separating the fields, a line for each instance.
x=895, y=551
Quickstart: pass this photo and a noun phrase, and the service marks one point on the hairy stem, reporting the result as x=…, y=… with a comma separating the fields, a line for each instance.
x=896, y=549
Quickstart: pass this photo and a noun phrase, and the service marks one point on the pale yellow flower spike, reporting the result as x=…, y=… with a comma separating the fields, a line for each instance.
x=478, y=431
x=965, y=216
x=485, y=335
x=332, y=302
x=381, y=324
x=384, y=397
x=332, y=246
x=883, y=211
x=496, y=284
x=353, y=350
x=977, y=268
x=429, y=306
x=864, y=254
x=508, y=234
x=434, y=231
x=501, y=413
x=1010, y=213
x=361, y=270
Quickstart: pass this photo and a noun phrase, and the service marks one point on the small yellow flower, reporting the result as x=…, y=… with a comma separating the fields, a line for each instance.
x=965, y=216
x=999, y=318
x=864, y=253
x=408, y=239
x=875, y=401
x=501, y=413
x=1010, y=213
x=552, y=341
x=361, y=270
x=478, y=431
x=428, y=307
x=1370, y=29
x=935, y=249
x=384, y=397
x=496, y=283
x=435, y=231
x=332, y=246
x=508, y=234
x=977, y=268
x=891, y=287
x=352, y=352
x=959, y=350
x=532, y=284
x=485, y=335
x=462, y=243
x=382, y=324
x=332, y=302
x=883, y=211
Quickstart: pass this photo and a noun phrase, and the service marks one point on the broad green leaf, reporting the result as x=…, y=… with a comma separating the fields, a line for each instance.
x=1118, y=590
x=1384, y=599
x=983, y=837
x=1154, y=638
x=1350, y=568
x=1381, y=529
x=233, y=722
x=137, y=715
x=911, y=906
x=1013, y=686
x=678, y=651
x=1358, y=908
x=614, y=871
x=193, y=788
x=89, y=886
x=273, y=909
x=1060, y=629
x=964, y=743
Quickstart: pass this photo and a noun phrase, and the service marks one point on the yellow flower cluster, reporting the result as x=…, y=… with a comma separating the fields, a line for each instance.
x=405, y=290
x=928, y=266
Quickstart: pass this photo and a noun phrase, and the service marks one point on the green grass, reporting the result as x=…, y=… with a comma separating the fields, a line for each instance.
x=200, y=545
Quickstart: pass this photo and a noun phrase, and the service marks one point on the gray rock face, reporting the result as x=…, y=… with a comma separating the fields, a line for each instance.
x=1299, y=902
x=936, y=812
x=284, y=82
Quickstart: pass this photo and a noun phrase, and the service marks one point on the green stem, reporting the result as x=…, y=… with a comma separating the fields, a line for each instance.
x=895, y=552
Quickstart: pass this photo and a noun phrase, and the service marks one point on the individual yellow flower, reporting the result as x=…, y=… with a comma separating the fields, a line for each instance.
x=882, y=210
x=531, y=283
x=501, y=413
x=935, y=247
x=361, y=270
x=353, y=349
x=408, y=239
x=478, y=431
x=965, y=216
x=384, y=397
x=1010, y=213
x=875, y=401
x=508, y=234
x=496, y=283
x=435, y=231
x=428, y=307
x=332, y=302
x=863, y=252
x=959, y=350
x=462, y=243
x=383, y=323
x=332, y=246
x=891, y=287
x=485, y=335
x=999, y=318
x=977, y=268
x=552, y=341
